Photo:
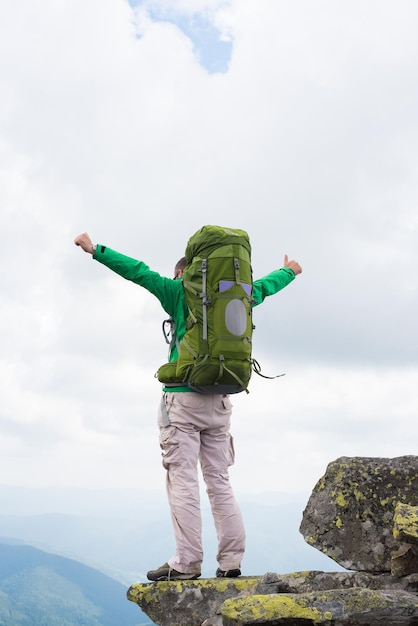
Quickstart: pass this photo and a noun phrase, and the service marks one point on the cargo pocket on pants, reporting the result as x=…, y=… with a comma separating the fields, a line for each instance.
x=168, y=444
x=231, y=452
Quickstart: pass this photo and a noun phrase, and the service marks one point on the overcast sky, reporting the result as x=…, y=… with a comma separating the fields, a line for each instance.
x=295, y=120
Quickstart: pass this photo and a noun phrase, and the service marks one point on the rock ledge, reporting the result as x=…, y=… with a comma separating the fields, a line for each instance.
x=298, y=599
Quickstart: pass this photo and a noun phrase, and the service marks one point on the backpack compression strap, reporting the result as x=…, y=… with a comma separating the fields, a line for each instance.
x=223, y=367
x=205, y=301
x=257, y=369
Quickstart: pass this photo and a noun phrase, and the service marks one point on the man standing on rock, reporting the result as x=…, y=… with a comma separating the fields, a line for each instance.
x=198, y=428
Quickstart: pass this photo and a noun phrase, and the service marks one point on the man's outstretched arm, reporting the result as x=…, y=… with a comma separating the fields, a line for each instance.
x=165, y=289
x=275, y=281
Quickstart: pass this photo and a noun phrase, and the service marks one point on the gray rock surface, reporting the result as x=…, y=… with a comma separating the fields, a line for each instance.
x=331, y=608
x=186, y=602
x=349, y=516
x=301, y=598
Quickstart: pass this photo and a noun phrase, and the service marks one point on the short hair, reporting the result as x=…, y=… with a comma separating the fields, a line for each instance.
x=180, y=265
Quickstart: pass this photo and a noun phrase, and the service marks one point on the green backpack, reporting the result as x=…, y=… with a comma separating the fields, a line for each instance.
x=215, y=353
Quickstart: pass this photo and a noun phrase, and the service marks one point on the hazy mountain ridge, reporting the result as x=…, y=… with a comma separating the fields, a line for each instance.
x=126, y=532
x=41, y=588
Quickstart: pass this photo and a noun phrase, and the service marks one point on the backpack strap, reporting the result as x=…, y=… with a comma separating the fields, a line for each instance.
x=205, y=301
x=223, y=367
x=257, y=369
x=164, y=413
x=173, y=340
x=236, y=267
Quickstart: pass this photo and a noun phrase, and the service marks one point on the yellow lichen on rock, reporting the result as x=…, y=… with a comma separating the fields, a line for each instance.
x=275, y=606
x=405, y=523
x=340, y=499
x=140, y=592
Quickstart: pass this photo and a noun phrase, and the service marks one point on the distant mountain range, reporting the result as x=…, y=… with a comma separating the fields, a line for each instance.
x=42, y=589
x=124, y=533
x=38, y=588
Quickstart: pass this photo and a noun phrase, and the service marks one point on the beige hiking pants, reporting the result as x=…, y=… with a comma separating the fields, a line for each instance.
x=198, y=430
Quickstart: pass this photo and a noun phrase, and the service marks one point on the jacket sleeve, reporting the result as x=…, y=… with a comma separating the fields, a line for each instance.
x=165, y=289
x=271, y=284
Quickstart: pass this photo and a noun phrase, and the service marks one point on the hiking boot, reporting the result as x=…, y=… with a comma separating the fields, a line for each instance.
x=165, y=572
x=228, y=573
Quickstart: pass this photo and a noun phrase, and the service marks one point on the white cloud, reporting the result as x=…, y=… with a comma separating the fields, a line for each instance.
x=289, y=429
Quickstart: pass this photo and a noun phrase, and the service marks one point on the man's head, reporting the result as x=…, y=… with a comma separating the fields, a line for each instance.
x=180, y=265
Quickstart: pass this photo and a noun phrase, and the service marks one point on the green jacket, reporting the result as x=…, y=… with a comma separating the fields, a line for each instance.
x=170, y=292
